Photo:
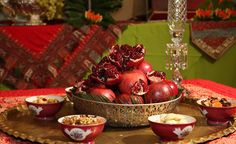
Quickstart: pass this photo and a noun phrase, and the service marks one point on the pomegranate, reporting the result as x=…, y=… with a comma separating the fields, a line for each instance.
x=136, y=55
x=158, y=92
x=133, y=82
x=145, y=67
x=105, y=72
x=102, y=94
x=126, y=57
x=117, y=59
x=123, y=99
x=173, y=86
x=156, y=76
x=136, y=99
x=129, y=99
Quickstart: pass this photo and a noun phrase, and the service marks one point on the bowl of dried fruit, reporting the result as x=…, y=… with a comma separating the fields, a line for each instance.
x=218, y=111
x=44, y=107
x=82, y=128
x=172, y=127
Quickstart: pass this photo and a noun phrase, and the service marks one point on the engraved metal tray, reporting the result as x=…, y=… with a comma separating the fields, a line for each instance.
x=19, y=123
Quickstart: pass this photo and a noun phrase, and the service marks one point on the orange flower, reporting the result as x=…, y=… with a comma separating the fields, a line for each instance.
x=231, y=12
x=222, y=14
x=203, y=13
x=93, y=17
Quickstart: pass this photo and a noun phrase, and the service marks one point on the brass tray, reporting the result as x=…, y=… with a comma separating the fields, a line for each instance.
x=19, y=123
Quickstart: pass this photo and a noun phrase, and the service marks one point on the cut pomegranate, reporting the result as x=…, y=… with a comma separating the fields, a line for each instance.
x=106, y=73
x=139, y=87
x=117, y=59
x=133, y=82
x=156, y=76
x=136, y=55
x=126, y=57
x=114, y=49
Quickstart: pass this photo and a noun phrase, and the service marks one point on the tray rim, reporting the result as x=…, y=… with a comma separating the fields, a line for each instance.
x=3, y=127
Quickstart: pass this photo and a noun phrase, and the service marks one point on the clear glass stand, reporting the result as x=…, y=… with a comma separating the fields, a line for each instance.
x=177, y=59
x=177, y=51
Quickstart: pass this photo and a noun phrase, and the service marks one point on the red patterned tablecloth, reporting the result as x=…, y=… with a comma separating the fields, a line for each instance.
x=197, y=88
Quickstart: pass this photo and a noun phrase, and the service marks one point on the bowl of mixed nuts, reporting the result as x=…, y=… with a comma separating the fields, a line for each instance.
x=82, y=128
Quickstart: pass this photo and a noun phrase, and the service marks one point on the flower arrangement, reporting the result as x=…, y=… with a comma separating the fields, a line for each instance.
x=90, y=15
x=216, y=10
x=86, y=12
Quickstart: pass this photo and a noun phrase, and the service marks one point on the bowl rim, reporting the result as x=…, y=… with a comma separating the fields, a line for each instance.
x=230, y=107
x=117, y=104
x=189, y=123
x=60, y=99
x=104, y=120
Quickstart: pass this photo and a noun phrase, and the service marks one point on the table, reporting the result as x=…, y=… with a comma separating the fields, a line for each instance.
x=154, y=36
x=197, y=87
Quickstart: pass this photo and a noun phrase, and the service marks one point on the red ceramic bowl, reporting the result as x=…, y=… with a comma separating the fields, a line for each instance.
x=44, y=111
x=171, y=132
x=83, y=133
x=218, y=115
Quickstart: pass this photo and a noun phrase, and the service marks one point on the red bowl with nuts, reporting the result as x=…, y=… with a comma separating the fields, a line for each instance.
x=82, y=128
x=171, y=127
x=44, y=107
x=218, y=111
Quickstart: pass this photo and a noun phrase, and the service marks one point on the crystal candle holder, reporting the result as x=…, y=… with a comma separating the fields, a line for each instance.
x=177, y=51
x=177, y=15
x=177, y=59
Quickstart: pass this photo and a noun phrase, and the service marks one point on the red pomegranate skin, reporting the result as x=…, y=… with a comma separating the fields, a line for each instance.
x=158, y=92
x=129, y=78
x=145, y=67
x=102, y=94
x=173, y=86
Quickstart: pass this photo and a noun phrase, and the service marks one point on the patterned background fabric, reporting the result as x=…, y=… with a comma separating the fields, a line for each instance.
x=213, y=38
x=51, y=55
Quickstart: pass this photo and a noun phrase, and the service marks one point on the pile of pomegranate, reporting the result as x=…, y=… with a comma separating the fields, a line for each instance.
x=125, y=77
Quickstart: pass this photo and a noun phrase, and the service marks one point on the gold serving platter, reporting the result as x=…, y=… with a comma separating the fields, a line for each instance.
x=19, y=123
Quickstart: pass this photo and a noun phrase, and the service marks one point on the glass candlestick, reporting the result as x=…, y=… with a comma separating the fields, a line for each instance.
x=177, y=12
x=177, y=51
x=177, y=60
